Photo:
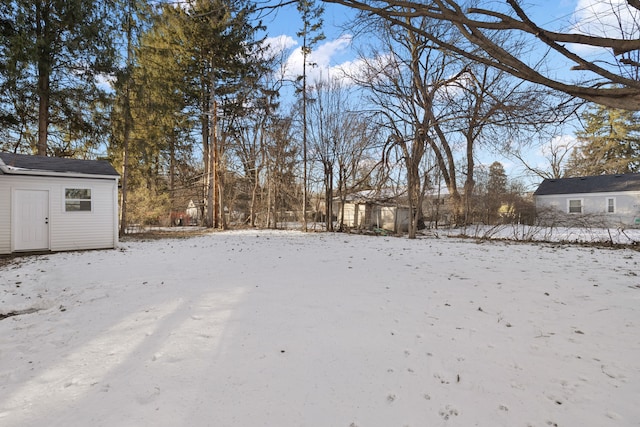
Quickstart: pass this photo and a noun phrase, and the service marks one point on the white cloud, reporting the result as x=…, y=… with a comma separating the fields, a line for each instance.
x=326, y=51
x=372, y=69
x=556, y=150
x=279, y=43
x=329, y=60
x=321, y=59
x=613, y=18
x=277, y=47
x=562, y=142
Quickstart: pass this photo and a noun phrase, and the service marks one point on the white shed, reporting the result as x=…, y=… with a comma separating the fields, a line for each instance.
x=57, y=204
x=370, y=209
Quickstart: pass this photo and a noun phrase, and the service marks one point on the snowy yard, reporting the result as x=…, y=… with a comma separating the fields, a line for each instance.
x=266, y=328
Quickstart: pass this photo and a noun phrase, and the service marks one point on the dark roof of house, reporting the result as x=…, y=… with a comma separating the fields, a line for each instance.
x=590, y=184
x=57, y=164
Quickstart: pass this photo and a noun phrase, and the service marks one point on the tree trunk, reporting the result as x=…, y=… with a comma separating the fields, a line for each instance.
x=172, y=182
x=215, y=167
x=457, y=207
x=211, y=197
x=207, y=221
x=328, y=195
x=125, y=159
x=469, y=183
x=222, y=223
x=43, y=108
x=254, y=193
x=269, y=197
x=127, y=128
x=413, y=188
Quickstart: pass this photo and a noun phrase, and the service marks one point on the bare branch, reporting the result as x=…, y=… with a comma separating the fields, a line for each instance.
x=612, y=88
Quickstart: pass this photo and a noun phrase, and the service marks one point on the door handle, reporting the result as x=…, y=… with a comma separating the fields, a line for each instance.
x=46, y=220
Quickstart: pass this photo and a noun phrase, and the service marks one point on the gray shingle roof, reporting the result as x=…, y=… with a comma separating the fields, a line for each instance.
x=58, y=164
x=590, y=184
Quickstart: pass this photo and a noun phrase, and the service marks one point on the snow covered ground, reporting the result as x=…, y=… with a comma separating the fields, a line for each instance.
x=281, y=328
x=518, y=232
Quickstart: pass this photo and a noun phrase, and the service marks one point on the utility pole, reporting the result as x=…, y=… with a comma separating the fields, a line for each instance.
x=305, y=51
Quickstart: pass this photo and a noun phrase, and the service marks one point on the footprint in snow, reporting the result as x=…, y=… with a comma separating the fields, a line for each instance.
x=448, y=412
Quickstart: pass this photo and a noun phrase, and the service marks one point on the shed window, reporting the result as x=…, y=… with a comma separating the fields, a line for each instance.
x=611, y=205
x=575, y=206
x=77, y=199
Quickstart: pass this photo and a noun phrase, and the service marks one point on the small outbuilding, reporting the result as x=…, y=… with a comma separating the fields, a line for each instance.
x=606, y=200
x=370, y=209
x=194, y=213
x=57, y=204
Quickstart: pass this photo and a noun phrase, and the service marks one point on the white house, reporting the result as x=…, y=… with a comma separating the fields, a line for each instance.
x=57, y=204
x=194, y=213
x=609, y=200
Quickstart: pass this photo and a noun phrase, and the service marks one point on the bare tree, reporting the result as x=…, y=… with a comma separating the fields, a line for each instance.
x=311, y=34
x=260, y=100
x=283, y=191
x=486, y=108
x=356, y=150
x=403, y=79
x=556, y=154
x=614, y=82
x=432, y=100
x=339, y=137
x=323, y=130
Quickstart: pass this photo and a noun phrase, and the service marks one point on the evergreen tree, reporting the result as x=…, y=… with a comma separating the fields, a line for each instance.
x=609, y=143
x=496, y=190
x=190, y=60
x=311, y=34
x=135, y=16
x=53, y=55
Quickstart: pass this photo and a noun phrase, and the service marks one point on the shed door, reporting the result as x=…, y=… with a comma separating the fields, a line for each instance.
x=31, y=220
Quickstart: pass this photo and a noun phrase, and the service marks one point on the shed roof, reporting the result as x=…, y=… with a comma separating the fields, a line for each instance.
x=376, y=196
x=590, y=184
x=25, y=164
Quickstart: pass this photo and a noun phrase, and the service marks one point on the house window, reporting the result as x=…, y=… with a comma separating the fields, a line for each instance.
x=611, y=205
x=575, y=206
x=77, y=199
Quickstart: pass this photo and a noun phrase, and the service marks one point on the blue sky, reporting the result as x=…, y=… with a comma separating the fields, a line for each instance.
x=336, y=49
x=339, y=50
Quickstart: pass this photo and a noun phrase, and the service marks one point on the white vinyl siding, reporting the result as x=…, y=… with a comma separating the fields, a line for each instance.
x=94, y=229
x=5, y=214
x=626, y=205
x=85, y=229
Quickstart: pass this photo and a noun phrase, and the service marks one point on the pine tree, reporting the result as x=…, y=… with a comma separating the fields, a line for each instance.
x=191, y=63
x=609, y=144
x=55, y=51
x=496, y=190
x=311, y=34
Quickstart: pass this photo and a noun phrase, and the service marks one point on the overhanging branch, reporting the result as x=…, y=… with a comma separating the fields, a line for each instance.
x=613, y=89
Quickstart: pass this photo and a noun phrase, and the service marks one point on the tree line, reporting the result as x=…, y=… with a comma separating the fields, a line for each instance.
x=184, y=98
